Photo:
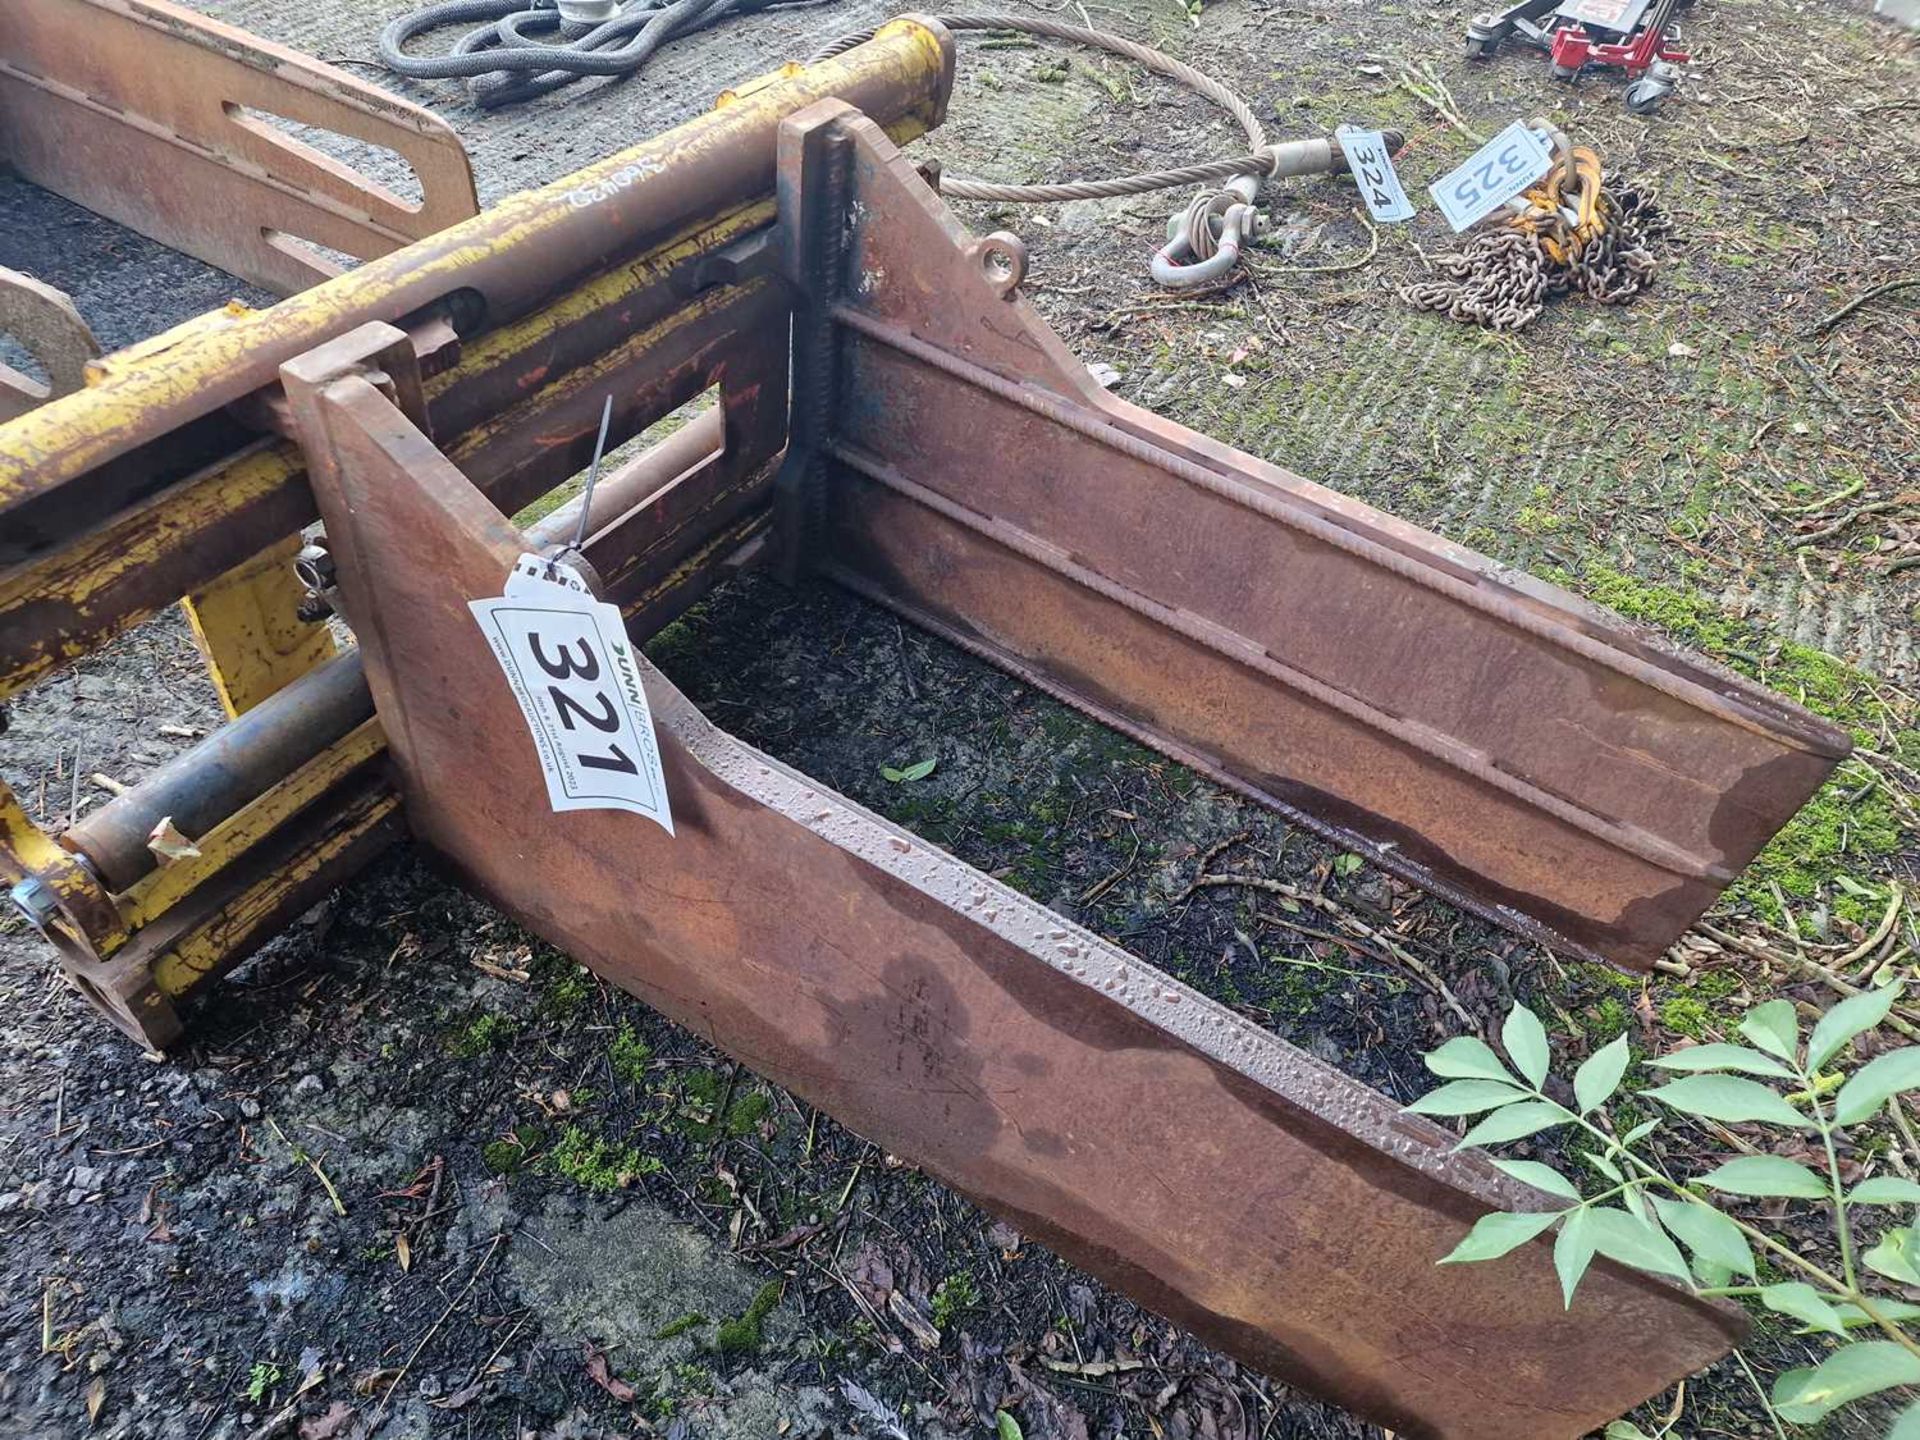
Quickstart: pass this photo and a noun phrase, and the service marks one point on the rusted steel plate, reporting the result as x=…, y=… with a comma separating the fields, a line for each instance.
x=119, y=442
x=1278, y=1208
x=1488, y=736
x=158, y=117
x=42, y=319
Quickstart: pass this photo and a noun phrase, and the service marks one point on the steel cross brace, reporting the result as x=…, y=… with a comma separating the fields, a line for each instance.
x=1274, y=1205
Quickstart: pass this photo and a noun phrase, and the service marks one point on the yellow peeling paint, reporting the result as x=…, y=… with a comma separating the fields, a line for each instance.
x=159, y=891
x=209, y=948
x=247, y=628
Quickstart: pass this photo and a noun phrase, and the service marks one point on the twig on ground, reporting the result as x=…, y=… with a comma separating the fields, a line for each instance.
x=1807, y=965
x=1862, y=298
x=381, y=1409
x=1896, y=898
x=1346, y=917
x=1439, y=99
x=1859, y=512
x=1846, y=492
x=1100, y=887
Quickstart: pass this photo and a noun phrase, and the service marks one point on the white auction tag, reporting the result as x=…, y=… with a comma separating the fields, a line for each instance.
x=1372, y=167
x=570, y=665
x=1497, y=171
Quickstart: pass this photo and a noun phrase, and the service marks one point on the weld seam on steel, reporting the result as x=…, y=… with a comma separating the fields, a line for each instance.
x=1236, y=647
x=1469, y=596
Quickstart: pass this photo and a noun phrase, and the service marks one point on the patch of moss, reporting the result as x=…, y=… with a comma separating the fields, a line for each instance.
x=596, y=1163
x=502, y=1157
x=509, y=1154
x=483, y=1034
x=1608, y=1018
x=1718, y=984
x=745, y=1335
x=629, y=1054
x=702, y=1093
x=1538, y=520
x=690, y=1321
x=564, y=986
x=1686, y=1014
x=954, y=1294
x=747, y=1111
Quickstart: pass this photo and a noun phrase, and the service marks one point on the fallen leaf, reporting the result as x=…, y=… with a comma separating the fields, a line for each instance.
x=166, y=841
x=917, y=771
x=96, y=1397
x=798, y=1235
x=403, y=1252
x=1681, y=350
x=376, y=1380
x=601, y=1375
x=328, y=1426
x=464, y=1396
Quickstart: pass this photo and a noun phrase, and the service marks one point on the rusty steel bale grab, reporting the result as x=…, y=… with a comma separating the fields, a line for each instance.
x=1488, y=736
x=201, y=136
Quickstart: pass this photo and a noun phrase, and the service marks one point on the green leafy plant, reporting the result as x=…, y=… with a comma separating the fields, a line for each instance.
x=261, y=1378
x=919, y=770
x=1641, y=1215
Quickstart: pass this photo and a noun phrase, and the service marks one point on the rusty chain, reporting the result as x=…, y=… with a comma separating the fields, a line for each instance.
x=1503, y=276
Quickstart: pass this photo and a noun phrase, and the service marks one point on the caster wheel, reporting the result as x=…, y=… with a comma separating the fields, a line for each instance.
x=1479, y=47
x=1565, y=72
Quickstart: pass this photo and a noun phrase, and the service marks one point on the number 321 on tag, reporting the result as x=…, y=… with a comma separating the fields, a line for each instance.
x=574, y=675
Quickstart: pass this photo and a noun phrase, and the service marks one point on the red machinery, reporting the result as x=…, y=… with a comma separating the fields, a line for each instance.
x=1629, y=35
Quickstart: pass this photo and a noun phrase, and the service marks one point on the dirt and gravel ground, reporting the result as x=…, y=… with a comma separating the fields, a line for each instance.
x=418, y=1175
